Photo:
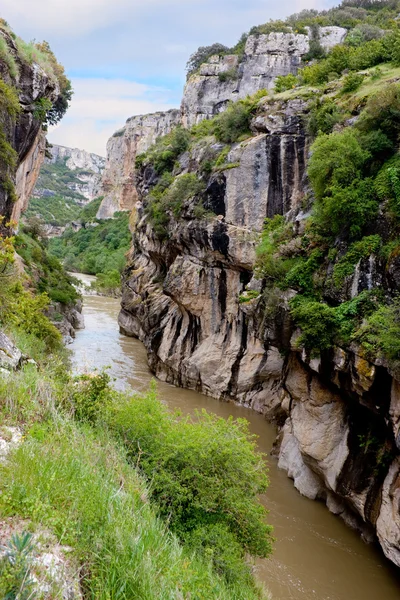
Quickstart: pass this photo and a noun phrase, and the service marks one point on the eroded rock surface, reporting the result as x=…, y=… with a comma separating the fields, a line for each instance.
x=138, y=134
x=185, y=297
x=265, y=57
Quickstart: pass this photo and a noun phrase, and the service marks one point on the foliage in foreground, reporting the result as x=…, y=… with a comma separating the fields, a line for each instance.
x=80, y=485
x=83, y=479
x=16, y=582
x=205, y=477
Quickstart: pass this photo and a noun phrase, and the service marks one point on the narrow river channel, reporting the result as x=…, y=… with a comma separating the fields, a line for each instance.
x=316, y=556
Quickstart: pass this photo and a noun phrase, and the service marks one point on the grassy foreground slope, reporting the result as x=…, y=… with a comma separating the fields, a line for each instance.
x=153, y=505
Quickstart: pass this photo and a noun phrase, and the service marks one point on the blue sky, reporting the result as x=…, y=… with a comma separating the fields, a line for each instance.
x=128, y=57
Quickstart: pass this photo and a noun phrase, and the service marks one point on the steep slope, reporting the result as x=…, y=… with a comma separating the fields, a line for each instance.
x=292, y=333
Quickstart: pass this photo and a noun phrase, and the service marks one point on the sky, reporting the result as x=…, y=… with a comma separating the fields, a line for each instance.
x=128, y=57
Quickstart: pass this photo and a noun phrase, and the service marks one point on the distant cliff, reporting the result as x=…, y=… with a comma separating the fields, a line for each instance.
x=70, y=173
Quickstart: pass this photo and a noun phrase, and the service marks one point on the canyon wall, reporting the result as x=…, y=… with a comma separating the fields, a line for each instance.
x=206, y=93
x=233, y=77
x=138, y=134
x=24, y=134
x=193, y=297
x=182, y=298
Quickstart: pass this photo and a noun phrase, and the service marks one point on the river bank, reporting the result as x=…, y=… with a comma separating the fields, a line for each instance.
x=316, y=555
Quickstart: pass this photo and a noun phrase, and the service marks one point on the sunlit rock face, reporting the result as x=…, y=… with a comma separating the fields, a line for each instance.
x=86, y=172
x=138, y=134
x=230, y=78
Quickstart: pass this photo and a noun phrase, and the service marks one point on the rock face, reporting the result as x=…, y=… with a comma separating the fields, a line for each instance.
x=86, y=168
x=10, y=355
x=339, y=414
x=229, y=78
x=25, y=134
x=137, y=136
x=205, y=95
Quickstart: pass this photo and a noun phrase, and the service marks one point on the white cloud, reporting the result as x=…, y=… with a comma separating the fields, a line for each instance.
x=101, y=106
x=71, y=18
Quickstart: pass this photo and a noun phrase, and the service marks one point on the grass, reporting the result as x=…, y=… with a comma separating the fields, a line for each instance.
x=7, y=57
x=80, y=485
x=77, y=481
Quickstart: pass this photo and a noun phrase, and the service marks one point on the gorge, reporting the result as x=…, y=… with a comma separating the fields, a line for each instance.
x=261, y=281
x=191, y=294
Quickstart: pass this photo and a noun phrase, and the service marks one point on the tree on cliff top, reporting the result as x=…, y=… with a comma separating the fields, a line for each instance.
x=202, y=55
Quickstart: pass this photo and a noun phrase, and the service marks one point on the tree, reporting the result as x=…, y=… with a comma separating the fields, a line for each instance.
x=202, y=55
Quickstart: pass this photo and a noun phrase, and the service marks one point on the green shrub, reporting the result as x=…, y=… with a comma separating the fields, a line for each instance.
x=42, y=107
x=8, y=58
x=90, y=396
x=16, y=564
x=162, y=203
x=322, y=117
x=387, y=185
x=47, y=273
x=230, y=125
x=234, y=122
x=230, y=75
x=204, y=473
x=26, y=312
x=9, y=100
x=380, y=334
x=318, y=323
x=285, y=82
x=336, y=161
x=382, y=112
x=80, y=485
x=352, y=82
x=108, y=283
x=347, y=210
x=268, y=264
x=164, y=153
x=301, y=275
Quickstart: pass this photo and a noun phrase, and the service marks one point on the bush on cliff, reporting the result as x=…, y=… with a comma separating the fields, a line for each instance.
x=168, y=199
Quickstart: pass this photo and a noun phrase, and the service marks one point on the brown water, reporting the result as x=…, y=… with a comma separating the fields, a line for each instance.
x=316, y=556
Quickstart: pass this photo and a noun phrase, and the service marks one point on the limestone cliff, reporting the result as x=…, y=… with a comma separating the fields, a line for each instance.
x=192, y=295
x=206, y=93
x=23, y=132
x=85, y=170
x=182, y=299
x=138, y=134
x=232, y=77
